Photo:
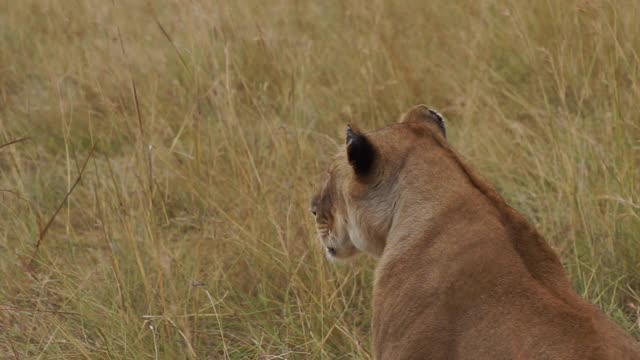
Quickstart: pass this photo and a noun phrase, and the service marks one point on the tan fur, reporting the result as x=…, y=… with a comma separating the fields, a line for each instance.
x=461, y=275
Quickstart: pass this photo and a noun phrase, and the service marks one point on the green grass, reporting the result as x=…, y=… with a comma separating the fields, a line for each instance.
x=202, y=246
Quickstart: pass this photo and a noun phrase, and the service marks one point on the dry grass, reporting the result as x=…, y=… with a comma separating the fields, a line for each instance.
x=188, y=234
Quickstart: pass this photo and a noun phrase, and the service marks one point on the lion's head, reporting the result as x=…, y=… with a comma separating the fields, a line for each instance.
x=354, y=209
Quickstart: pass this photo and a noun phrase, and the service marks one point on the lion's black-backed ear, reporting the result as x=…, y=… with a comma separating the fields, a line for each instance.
x=360, y=152
x=423, y=113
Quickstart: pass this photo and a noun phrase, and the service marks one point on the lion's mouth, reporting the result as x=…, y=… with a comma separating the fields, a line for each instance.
x=331, y=251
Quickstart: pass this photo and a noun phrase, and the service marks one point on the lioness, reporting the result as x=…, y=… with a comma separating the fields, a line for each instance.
x=461, y=275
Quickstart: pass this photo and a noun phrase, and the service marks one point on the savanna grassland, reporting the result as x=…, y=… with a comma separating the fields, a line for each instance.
x=158, y=158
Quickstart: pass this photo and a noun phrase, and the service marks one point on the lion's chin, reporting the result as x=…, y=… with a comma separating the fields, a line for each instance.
x=335, y=255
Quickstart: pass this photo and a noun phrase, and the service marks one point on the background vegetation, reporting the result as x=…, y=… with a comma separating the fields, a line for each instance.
x=201, y=129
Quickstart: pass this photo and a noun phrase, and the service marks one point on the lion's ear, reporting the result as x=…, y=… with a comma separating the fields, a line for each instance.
x=360, y=152
x=423, y=113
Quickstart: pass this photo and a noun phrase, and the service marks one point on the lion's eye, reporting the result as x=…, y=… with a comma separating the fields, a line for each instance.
x=314, y=205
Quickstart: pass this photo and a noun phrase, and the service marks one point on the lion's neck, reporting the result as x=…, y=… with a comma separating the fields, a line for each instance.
x=448, y=225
